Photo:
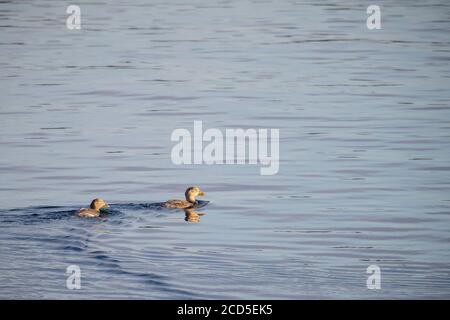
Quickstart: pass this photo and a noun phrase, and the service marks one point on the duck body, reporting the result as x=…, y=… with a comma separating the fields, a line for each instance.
x=181, y=204
x=190, y=202
x=94, y=209
x=88, y=213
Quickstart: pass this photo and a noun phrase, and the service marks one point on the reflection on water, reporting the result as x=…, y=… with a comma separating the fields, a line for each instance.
x=364, y=146
x=192, y=215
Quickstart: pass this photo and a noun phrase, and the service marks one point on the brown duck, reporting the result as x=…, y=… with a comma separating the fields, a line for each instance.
x=190, y=202
x=94, y=210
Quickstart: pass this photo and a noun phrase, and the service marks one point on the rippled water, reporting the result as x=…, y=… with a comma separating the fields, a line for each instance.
x=364, y=119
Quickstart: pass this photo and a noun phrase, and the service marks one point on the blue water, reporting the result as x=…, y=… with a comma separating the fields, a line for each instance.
x=364, y=119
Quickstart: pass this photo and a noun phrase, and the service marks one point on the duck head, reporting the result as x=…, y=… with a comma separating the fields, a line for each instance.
x=98, y=204
x=193, y=192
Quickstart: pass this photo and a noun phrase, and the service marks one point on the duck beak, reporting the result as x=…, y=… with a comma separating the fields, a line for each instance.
x=106, y=206
x=201, y=193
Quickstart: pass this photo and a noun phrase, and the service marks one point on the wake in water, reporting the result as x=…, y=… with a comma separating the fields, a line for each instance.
x=39, y=242
x=37, y=214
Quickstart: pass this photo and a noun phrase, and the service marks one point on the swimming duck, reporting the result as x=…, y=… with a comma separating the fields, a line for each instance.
x=190, y=201
x=94, y=210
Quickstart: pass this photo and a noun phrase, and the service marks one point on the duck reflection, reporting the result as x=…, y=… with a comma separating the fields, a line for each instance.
x=192, y=215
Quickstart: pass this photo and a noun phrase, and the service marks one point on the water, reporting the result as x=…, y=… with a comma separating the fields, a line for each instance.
x=364, y=119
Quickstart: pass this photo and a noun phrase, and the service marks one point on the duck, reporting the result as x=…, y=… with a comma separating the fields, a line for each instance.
x=94, y=209
x=190, y=202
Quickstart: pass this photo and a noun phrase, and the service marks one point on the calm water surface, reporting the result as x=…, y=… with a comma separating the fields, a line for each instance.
x=364, y=119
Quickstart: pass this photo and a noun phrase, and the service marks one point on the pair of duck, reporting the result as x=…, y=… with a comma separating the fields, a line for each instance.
x=191, y=194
